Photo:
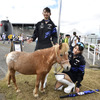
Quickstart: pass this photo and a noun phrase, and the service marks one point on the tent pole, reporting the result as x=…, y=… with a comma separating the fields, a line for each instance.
x=60, y=4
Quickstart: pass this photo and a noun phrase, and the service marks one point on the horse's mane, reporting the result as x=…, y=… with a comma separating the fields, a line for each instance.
x=64, y=48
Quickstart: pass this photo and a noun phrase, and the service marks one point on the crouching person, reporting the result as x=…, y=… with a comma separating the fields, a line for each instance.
x=75, y=75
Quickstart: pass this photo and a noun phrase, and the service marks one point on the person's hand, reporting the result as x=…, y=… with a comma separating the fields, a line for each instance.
x=30, y=40
x=77, y=90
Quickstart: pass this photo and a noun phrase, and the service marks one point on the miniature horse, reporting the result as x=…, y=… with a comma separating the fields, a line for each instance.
x=39, y=62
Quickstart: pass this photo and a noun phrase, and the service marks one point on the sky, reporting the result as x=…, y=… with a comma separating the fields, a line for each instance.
x=83, y=15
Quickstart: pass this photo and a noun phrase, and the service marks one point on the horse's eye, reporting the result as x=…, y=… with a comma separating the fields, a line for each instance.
x=61, y=55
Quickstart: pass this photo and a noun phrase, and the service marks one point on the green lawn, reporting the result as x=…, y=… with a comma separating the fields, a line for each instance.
x=26, y=84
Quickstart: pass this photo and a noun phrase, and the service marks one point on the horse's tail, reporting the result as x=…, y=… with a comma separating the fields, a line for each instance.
x=7, y=75
x=6, y=55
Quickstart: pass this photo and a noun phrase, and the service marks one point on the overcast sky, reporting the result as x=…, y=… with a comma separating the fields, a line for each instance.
x=83, y=15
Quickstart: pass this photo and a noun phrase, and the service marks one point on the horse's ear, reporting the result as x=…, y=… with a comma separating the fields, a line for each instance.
x=60, y=45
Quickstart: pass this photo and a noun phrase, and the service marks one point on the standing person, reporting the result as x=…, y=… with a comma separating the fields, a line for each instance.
x=0, y=37
x=60, y=38
x=79, y=39
x=76, y=73
x=10, y=38
x=74, y=41
x=4, y=37
x=67, y=39
x=21, y=38
x=45, y=32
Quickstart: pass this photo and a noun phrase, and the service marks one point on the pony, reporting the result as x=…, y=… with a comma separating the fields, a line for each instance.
x=39, y=63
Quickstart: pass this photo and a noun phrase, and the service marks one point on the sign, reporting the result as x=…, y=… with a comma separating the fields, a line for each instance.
x=17, y=47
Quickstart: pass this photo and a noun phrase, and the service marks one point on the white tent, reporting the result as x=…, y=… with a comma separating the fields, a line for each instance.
x=78, y=33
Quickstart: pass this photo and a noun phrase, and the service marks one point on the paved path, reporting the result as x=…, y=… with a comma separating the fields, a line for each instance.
x=5, y=49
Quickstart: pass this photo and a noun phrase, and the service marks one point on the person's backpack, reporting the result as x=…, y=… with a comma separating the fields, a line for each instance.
x=71, y=41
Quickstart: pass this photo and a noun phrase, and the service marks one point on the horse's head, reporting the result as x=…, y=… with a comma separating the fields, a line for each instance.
x=62, y=56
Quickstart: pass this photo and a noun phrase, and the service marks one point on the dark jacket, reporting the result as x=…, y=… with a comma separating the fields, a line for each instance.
x=45, y=34
x=77, y=70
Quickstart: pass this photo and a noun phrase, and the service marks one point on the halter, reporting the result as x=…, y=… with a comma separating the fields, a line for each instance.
x=62, y=62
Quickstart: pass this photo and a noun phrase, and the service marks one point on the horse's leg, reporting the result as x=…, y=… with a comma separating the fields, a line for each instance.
x=42, y=83
x=14, y=80
x=9, y=77
x=35, y=92
x=45, y=80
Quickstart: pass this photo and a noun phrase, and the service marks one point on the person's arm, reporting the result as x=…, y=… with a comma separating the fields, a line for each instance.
x=75, y=40
x=34, y=36
x=54, y=36
x=80, y=74
x=79, y=78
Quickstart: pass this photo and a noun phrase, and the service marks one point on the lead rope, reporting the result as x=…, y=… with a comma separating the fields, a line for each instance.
x=90, y=89
x=55, y=71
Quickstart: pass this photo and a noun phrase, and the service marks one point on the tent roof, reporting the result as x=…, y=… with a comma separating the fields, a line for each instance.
x=78, y=33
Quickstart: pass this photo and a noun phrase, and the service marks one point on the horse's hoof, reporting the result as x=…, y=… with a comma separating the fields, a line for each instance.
x=9, y=85
x=35, y=95
x=42, y=91
x=18, y=90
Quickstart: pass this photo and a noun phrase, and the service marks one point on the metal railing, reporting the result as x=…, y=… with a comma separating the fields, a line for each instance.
x=94, y=50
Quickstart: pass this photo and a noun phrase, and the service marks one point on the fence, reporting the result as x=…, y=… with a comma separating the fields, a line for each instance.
x=92, y=40
x=94, y=50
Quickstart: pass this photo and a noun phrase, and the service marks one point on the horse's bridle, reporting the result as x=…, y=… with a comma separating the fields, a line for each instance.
x=62, y=62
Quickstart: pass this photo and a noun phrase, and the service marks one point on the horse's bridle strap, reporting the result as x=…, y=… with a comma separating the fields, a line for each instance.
x=62, y=62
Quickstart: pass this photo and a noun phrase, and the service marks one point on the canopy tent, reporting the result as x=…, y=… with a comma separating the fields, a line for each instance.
x=78, y=33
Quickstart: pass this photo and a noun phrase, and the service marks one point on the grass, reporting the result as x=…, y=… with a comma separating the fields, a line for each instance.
x=26, y=84
x=86, y=46
x=91, y=47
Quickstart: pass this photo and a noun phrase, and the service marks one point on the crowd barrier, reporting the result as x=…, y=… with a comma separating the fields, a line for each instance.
x=94, y=50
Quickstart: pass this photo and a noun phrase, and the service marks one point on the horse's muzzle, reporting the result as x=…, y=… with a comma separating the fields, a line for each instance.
x=66, y=67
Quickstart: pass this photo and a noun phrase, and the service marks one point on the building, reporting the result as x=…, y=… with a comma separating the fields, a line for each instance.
x=25, y=28
x=92, y=38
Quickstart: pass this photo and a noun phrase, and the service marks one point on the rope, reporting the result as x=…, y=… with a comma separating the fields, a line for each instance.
x=90, y=89
x=59, y=70
x=56, y=69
